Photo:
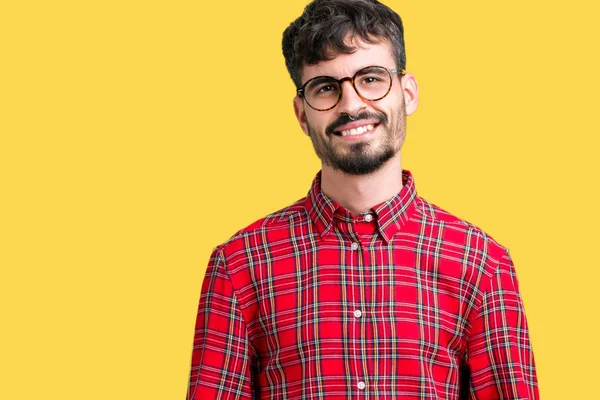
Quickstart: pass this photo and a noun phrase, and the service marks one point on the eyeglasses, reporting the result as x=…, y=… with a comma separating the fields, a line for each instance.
x=371, y=83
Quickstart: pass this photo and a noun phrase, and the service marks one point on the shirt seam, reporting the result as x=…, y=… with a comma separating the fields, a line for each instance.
x=483, y=292
x=223, y=260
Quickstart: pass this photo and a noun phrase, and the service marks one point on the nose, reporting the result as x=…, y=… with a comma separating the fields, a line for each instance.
x=351, y=102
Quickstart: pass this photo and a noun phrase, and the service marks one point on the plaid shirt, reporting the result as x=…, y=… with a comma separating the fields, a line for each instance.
x=404, y=301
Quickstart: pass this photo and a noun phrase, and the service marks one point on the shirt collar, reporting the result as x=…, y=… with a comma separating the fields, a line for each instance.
x=390, y=216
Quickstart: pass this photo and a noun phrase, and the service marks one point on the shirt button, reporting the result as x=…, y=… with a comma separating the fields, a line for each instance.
x=354, y=246
x=358, y=313
x=361, y=385
x=369, y=218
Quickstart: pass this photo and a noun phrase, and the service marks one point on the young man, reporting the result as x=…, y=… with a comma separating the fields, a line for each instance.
x=362, y=289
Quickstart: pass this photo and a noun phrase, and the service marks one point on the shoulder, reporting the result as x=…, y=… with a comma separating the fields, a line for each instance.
x=459, y=230
x=269, y=227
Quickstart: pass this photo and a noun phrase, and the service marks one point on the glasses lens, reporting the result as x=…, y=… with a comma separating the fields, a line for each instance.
x=372, y=83
x=322, y=92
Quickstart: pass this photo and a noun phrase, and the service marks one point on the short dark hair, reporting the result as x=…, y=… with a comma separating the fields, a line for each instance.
x=319, y=33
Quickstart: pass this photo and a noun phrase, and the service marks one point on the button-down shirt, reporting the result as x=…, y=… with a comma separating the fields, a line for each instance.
x=405, y=301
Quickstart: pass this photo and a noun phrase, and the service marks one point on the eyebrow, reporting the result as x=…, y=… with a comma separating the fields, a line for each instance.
x=368, y=69
x=322, y=78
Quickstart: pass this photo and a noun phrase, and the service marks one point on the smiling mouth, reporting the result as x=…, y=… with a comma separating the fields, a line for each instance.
x=356, y=131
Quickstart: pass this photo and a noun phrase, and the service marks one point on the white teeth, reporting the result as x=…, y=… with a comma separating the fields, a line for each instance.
x=357, y=131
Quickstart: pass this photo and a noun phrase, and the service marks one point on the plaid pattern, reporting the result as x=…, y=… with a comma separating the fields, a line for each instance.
x=403, y=302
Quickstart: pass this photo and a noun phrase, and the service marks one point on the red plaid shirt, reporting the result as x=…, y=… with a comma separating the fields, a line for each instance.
x=402, y=302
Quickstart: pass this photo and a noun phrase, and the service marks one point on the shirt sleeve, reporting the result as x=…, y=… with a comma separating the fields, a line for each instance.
x=499, y=353
x=222, y=355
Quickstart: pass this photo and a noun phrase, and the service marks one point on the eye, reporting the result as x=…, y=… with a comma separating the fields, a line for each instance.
x=325, y=88
x=371, y=79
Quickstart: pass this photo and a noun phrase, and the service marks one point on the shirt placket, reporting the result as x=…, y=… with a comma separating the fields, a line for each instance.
x=357, y=318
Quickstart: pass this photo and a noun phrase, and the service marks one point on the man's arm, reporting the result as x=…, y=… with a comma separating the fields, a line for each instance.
x=499, y=352
x=222, y=354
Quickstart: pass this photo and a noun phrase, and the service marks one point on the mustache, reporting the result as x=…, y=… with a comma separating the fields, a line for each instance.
x=365, y=115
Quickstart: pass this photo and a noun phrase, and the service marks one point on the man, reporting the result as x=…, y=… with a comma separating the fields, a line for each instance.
x=362, y=289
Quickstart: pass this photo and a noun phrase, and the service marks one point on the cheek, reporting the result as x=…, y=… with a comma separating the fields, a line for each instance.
x=318, y=122
x=394, y=101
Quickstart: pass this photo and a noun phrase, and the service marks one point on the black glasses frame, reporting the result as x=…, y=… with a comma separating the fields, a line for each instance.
x=391, y=72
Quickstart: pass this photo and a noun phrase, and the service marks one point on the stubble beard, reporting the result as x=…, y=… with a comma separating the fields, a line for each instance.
x=361, y=158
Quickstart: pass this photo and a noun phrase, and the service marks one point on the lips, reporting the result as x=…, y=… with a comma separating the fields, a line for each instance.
x=356, y=128
x=356, y=131
x=364, y=120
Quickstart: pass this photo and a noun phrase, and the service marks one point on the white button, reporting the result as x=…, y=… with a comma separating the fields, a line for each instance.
x=354, y=246
x=358, y=313
x=361, y=385
x=368, y=218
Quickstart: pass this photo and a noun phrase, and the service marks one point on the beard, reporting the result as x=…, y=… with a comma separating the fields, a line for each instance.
x=362, y=157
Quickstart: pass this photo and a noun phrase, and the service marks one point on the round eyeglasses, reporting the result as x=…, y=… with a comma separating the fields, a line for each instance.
x=371, y=83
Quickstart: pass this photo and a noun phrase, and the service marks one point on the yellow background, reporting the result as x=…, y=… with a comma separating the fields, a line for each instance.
x=138, y=135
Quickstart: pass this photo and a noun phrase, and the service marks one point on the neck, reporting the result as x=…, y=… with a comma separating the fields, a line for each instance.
x=360, y=193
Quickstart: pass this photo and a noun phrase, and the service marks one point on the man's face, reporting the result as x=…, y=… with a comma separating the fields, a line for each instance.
x=381, y=122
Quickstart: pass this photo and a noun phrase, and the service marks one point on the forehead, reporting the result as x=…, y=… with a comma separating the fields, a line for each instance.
x=366, y=54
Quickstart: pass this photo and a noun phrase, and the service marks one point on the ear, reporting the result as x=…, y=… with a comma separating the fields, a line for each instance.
x=410, y=90
x=300, y=113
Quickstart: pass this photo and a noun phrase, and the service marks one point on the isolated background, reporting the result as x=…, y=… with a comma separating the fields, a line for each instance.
x=138, y=135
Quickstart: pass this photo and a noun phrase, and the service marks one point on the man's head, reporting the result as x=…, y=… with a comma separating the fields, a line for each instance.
x=339, y=39
x=320, y=33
